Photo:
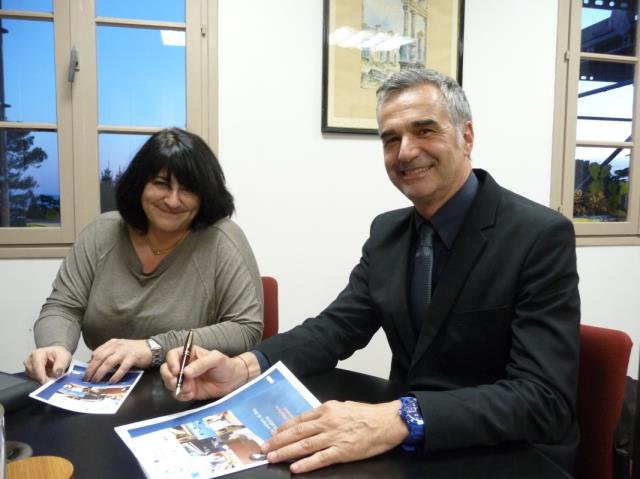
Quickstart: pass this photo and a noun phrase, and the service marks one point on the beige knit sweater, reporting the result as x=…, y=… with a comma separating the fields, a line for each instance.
x=210, y=282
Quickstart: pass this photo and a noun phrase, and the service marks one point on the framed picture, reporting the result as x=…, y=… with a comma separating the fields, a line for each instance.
x=367, y=40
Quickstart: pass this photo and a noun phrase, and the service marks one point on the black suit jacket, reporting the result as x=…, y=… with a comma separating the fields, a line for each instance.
x=497, y=359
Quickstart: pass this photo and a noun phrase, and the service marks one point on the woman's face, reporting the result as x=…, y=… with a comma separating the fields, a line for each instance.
x=169, y=208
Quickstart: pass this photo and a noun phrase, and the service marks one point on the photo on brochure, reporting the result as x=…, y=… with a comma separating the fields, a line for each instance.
x=70, y=392
x=222, y=437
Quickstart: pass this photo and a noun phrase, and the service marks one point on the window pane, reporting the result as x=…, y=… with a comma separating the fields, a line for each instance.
x=29, y=180
x=29, y=5
x=141, y=78
x=609, y=26
x=164, y=10
x=29, y=73
x=601, y=190
x=116, y=151
x=605, y=101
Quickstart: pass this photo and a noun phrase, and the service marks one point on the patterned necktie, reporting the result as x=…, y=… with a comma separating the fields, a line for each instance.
x=421, y=281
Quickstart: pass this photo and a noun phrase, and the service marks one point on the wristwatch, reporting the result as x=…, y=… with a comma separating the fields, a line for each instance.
x=157, y=357
x=412, y=417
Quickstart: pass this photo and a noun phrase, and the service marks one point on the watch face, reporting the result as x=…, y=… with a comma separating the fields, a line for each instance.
x=410, y=411
x=153, y=345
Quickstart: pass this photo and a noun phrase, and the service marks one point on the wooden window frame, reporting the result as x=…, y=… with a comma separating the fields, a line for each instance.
x=75, y=24
x=568, y=58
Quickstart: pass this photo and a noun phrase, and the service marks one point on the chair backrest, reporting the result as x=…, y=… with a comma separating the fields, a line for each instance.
x=604, y=358
x=635, y=456
x=270, y=292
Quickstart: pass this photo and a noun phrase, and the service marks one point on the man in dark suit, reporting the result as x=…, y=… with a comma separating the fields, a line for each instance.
x=475, y=287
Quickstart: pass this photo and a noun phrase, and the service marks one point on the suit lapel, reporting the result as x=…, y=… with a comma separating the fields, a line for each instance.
x=468, y=246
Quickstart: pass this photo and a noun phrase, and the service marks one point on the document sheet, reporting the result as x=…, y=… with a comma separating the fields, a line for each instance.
x=221, y=437
x=70, y=392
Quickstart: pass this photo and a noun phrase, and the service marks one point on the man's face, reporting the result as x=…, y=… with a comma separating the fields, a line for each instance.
x=422, y=154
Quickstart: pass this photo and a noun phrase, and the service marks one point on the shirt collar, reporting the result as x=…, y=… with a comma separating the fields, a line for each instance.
x=448, y=219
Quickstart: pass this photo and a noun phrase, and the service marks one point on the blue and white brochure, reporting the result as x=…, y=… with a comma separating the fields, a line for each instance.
x=70, y=392
x=221, y=437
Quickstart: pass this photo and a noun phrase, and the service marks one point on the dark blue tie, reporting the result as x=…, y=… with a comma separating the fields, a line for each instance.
x=422, y=271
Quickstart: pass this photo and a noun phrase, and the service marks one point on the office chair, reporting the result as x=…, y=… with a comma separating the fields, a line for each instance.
x=270, y=292
x=604, y=357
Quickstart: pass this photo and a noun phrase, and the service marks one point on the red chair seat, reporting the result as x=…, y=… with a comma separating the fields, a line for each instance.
x=604, y=358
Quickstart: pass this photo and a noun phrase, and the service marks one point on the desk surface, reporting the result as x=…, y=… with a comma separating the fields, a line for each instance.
x=95, y=451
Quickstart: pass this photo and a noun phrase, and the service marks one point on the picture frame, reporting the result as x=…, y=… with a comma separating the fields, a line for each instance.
x=366, y=40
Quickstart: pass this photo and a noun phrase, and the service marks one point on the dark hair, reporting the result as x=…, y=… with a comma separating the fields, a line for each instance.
x=189, y=159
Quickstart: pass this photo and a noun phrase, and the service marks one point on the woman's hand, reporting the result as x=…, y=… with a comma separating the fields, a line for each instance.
x=118, y=355
x=47, y=363
x=209, y=374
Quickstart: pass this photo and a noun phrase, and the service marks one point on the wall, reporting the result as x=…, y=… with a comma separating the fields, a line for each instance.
x=305, y=200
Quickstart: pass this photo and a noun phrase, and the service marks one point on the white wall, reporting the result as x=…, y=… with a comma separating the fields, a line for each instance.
x=24, y=285
x=305, y=200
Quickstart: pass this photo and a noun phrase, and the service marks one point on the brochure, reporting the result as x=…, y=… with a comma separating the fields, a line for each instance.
x=221, y=437
x=72, y=393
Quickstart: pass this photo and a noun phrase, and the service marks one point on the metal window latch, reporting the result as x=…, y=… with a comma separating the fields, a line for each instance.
x=73, y=65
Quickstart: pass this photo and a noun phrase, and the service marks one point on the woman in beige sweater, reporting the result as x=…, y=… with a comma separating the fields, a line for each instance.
x=169, y=260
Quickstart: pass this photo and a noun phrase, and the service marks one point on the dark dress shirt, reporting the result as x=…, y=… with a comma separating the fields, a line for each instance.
x=446, y=223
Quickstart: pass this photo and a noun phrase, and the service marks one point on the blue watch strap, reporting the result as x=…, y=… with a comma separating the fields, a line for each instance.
x=412, y=417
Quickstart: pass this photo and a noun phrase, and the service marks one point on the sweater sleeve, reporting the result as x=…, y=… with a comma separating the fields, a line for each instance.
x=60, y=319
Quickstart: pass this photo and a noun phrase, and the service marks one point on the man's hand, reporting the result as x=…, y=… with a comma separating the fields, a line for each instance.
x=47, y=363
x=209, y=374
x=118, y=355
x=337, y=432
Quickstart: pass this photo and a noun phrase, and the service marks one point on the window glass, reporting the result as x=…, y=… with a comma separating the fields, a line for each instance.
x=116, y=152
x=605, y=101
x=609, y=26
x=163, y=10
x=601, y=189
x=29, y=179
x=141, y=78
x=45, y=6
x=28, y=85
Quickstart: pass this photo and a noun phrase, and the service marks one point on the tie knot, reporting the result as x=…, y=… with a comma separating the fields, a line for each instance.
x=426, y=234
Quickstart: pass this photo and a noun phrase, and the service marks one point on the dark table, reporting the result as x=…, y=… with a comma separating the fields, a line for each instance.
x=96, y=452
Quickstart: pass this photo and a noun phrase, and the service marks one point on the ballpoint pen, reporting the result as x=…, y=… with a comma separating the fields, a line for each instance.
x=186, y=353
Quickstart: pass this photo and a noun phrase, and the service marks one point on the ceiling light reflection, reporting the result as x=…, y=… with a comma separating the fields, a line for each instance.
x=348, y=37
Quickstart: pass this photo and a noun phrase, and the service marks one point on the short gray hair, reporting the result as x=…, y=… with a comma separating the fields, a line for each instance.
x=452, y=94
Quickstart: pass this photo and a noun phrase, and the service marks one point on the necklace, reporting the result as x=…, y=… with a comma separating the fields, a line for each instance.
x=160, y=252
